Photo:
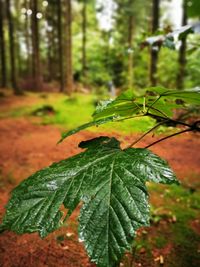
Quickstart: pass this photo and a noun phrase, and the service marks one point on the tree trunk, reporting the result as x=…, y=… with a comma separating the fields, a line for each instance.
x=130, y=55
x=60, y=45
x=84, y=39
x=50, y=41
x=50, y=57
x=27, y=39
x=182, y=53
x=2, y=47
x=154, y=51
x=17, y=25
x=69, y=74
x=36, y=68
x=16, y=89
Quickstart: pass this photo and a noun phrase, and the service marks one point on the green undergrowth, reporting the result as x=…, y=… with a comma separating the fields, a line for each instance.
x=171, y=234
x=68, y=113
x=16, y=112
x=178, y=207
x=179, y=201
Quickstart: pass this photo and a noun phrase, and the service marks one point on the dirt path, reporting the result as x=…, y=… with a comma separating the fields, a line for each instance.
x=25, y=148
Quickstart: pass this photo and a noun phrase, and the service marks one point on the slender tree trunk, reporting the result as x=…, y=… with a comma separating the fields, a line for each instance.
x=60, y=46
x=106, y=37
x=50, y=57
x=130, y=55
x=2, y=47
x=69, y=74
x=50, y=44
x=17, y=25
x=55, y=46
x=16, y=89
x=36, y=68
x=182, y=52
x=154, y=51
x=84, y=38
x=27, y=38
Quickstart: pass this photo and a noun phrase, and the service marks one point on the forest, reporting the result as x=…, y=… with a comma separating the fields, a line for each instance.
x=107, y=94
x=69, y=45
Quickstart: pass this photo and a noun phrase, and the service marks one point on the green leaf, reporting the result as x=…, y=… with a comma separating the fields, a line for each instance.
x=102, y=105
x=127, y=95
x=162, y=107
x=111, y=184
x=158, y=101
x=181, y=32
x=169, y=43
x=118, y=110
x=123, y=106
x=168, y=40
x=188, y=96
x=159, y=172
x=86, y=125
x=154, y=40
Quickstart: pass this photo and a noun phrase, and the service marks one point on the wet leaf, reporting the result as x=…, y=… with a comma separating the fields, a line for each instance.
x=110, y=183
x=171, y=97
x=157, y=101
x=86, y=125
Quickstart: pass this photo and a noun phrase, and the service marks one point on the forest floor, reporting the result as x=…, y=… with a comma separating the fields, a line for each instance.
x=173, y=240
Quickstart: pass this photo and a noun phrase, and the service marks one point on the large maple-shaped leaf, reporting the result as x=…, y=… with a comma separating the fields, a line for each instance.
x=111, y=184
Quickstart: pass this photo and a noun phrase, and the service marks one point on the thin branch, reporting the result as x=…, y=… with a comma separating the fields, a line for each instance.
x=141, y=137
x=162, y=113
x=193, y=127
x=170, y=120
x=154, y=102
x=169, y=136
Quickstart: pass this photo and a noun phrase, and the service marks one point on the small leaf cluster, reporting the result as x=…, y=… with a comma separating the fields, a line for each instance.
x=156, y=102
x=169, y=40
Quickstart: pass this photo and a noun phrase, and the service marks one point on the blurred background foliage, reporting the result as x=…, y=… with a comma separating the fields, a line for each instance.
x=95, y=45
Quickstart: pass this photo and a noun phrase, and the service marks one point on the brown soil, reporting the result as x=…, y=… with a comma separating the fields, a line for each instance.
x=25, y=148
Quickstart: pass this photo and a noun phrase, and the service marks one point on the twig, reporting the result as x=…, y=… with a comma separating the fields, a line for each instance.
x=191, y=127
x=169, y=120
x=154, y=102
x=161, y=112
x=194, y=127
x=141, y=137
x=169, y=136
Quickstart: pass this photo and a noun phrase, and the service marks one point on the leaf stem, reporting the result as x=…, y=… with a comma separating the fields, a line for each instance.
x=191, y=127
x=162, y=113
x=169, y=136
x=141, y=137
x=154, y=102
x=169, y=120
